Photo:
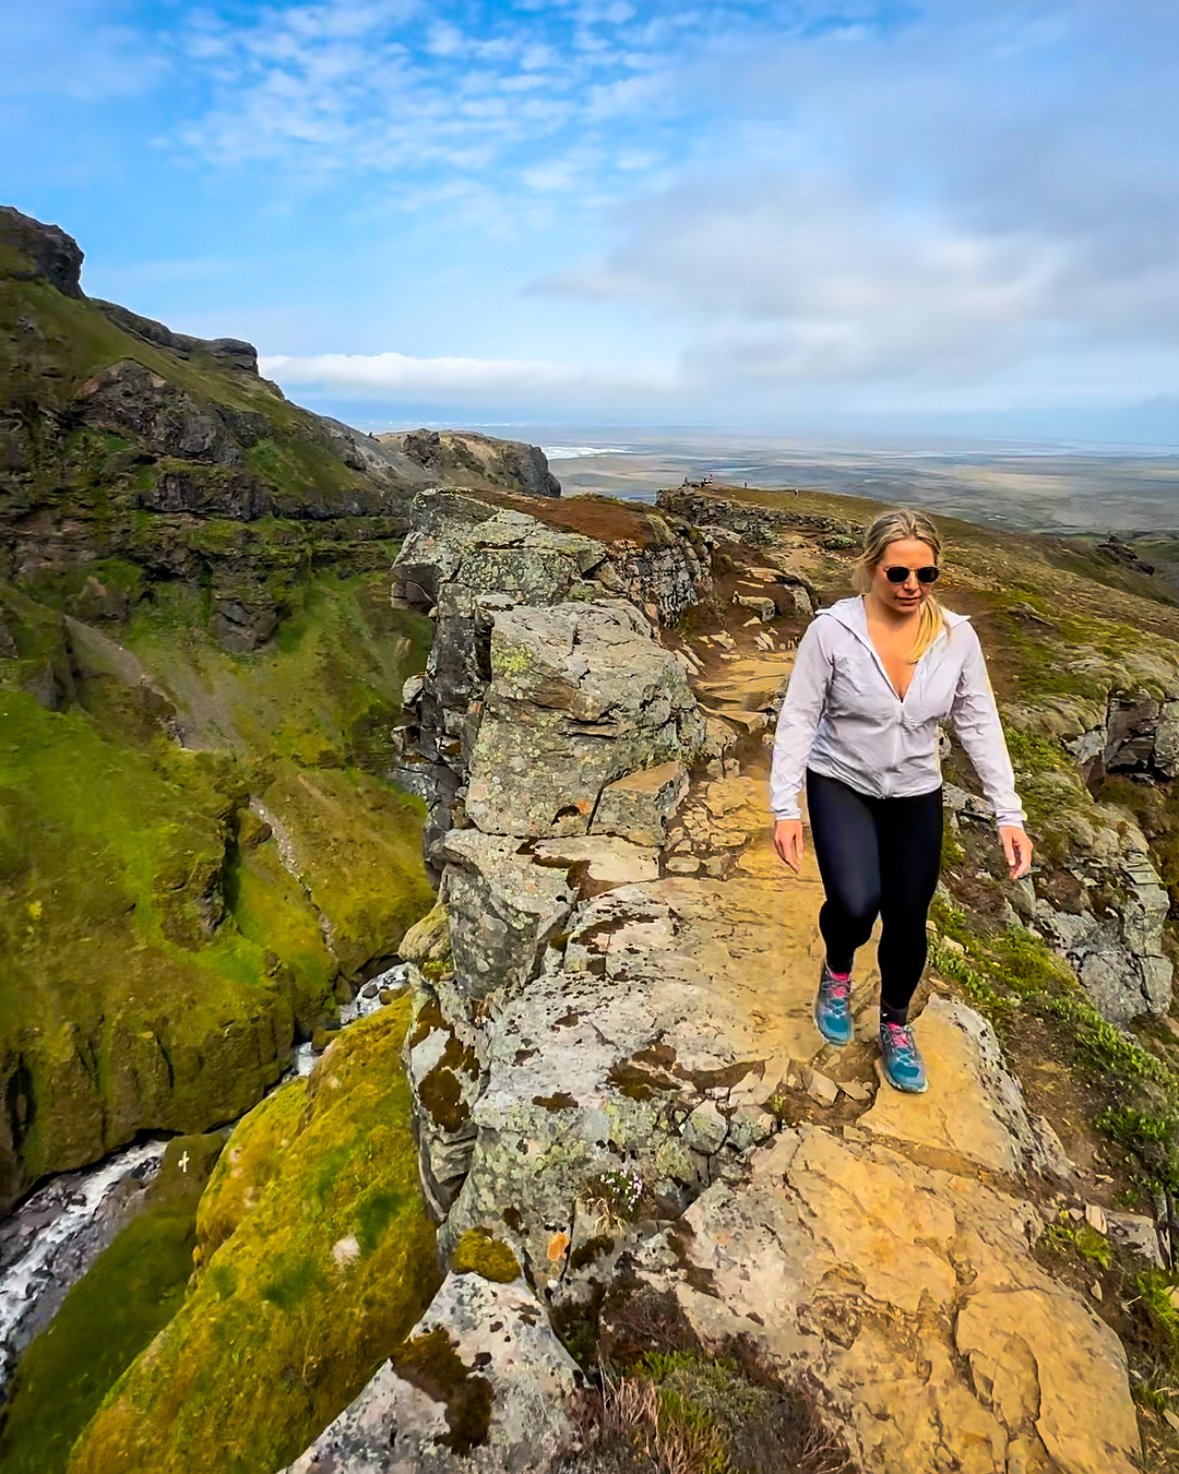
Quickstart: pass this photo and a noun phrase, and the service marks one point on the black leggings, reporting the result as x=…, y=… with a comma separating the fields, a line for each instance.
x=876, y=856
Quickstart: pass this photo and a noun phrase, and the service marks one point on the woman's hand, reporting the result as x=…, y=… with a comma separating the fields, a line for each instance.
x=788, y=841
x=1018, y=849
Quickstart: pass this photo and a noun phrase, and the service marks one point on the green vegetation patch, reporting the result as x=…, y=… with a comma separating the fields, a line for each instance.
x=123, y=960
x=316, y=1256
x=128, y=1295
x=478, y=1252
x=1013, y=971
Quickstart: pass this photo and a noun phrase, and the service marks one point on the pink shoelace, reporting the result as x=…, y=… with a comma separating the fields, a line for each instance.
x=901, y=1038
x=840, y=984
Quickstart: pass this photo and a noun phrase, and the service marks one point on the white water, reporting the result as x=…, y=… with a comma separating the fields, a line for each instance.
x=55, y=1236
x=360, y=1007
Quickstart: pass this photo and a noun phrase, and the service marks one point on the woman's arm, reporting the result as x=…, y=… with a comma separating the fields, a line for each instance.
x=802, y=706
x=976, y=721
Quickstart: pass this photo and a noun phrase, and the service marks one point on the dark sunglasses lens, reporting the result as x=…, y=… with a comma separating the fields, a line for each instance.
x=924, y=575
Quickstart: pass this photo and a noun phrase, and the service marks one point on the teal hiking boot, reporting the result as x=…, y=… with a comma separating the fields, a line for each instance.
x=833, y=1007
x=902, y=1060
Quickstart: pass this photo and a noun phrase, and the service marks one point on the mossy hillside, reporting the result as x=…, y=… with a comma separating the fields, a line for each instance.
x=126, y=1297
x=50, y=345
x=358, y=842
x=316, y=1257
x=130, y=997
x=153, y=923
x=325, y=691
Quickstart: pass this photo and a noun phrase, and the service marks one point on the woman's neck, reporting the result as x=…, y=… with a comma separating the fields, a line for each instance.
x=896, y=619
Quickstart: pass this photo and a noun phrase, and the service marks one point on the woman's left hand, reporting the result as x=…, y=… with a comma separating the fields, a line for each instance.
x=1018, y=849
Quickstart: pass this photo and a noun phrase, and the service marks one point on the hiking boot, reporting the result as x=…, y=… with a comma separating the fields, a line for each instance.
x=902, y=1060
x=833, y=1007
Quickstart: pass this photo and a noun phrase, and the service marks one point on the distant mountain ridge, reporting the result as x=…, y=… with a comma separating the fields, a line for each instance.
x=122, y=440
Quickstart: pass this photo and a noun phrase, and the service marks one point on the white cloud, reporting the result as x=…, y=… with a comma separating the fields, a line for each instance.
x=937, y=207
x=465, y=380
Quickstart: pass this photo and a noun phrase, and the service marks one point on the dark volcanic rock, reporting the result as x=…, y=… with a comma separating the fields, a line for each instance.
x=125, y=396
x=49, y=253
x=234, y=352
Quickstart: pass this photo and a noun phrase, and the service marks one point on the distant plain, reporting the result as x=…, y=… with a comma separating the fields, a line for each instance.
x=1026, y=487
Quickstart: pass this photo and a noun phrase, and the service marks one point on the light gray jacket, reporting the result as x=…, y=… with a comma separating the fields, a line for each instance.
x=842, y=717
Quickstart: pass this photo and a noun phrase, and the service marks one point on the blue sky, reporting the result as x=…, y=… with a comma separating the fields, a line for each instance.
x=841, y=216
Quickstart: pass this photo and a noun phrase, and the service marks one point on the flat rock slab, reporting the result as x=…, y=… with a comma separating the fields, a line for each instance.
x=504, y=1359
x=973, y=1111
x=908, y=1297
x=603, y=861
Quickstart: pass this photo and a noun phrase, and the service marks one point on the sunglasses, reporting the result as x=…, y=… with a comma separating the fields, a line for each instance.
x=896, y=574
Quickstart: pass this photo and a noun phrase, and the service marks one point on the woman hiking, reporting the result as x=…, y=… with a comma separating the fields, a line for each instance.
x=873, y=675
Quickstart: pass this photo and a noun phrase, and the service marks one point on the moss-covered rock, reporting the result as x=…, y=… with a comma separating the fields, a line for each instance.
x=478, y=1252
x=315, y=1258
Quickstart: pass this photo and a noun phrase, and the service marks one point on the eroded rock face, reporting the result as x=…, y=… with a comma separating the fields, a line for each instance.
x=50, y=254
x=479, y=574
x=503, y=908
x=460, y=455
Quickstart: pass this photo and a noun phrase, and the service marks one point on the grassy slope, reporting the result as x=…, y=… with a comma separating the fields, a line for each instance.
x=278, y=1333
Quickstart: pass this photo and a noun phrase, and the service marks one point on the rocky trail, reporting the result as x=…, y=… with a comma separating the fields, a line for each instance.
x=623, y=1099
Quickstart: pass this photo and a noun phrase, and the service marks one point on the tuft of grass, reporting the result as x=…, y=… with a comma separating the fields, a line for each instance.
x=1015, y=970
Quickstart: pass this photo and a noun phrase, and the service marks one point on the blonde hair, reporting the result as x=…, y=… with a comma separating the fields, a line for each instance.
x=889, y=527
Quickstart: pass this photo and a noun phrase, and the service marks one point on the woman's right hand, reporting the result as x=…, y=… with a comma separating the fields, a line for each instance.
x=788, y=841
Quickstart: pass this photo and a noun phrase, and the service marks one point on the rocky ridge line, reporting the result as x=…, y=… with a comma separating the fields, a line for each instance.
x=618, y=1081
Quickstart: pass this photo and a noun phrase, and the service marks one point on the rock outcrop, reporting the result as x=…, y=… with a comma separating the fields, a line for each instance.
x=106, y=416
x=518, y=607
x=465, y=458
x=480, y=1384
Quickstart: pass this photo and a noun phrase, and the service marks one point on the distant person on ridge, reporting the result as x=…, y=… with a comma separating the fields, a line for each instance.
x=873, y=675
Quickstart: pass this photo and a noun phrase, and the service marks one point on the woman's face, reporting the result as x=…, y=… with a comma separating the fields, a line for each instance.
x=905, y=552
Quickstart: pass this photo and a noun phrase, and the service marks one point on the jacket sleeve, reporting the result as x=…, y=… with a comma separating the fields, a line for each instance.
x=976, y=721
x=802, y=706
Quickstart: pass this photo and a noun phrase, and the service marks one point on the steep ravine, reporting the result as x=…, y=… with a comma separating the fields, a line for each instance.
x=193, y=618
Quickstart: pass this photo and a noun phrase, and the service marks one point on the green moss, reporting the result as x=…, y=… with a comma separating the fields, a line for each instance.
x=129, y=1293
x=477, y=1252
x=1079, y=1238
x=278, y=1332
x=1013, y=970
x=123, y=957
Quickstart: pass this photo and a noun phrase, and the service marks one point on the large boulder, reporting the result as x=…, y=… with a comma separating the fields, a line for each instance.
x=581, y=695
